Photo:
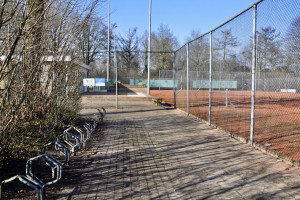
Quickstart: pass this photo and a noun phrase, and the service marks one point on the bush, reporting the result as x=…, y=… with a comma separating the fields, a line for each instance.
x=141, y=84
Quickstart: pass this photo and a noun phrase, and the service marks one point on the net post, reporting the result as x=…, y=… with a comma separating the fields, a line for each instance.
x=226, y=97
x=253, y=74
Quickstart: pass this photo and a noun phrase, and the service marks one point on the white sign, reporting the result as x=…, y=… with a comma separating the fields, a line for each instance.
x=89, y=82
x=100, y=82
x=288, y=90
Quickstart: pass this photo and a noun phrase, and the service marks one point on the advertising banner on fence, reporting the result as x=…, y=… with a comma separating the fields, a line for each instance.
x=100, y=82
x=215, y=84
x=89, y=82
x=155, y=83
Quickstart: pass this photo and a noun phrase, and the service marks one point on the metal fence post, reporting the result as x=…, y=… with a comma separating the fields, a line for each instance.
x=108, y=46
x=253, y=74
x=210, y=78
x=187, y=79
x=174, y=87
x=149, y=49
x=116, y=83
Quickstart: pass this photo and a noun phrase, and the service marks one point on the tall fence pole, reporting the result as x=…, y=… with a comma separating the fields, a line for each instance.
x=116, y=66
x=210, y=78
x=253, y=74
x=108, y=46
x=116, y=83
x=188, y=78
x=174, y=87
x=149, y=49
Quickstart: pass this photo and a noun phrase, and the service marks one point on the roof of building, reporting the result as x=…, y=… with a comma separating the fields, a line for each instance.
x=58, y=58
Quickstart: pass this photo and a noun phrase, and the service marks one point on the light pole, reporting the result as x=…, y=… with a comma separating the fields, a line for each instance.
x=116, y=66
x=149, y=48
x=108, y=46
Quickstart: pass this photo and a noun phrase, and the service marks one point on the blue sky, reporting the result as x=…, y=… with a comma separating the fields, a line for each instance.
x=181, y=16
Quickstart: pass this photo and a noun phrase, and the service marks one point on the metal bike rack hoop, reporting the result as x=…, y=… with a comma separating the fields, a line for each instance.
x=30, y=183
x=74, y=147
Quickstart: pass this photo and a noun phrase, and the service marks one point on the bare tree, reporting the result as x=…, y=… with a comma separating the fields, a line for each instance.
x=164, y=41
x=293, y=46
x=92, y=40
x=38, y=84
x=129, y=56
x=144, y=46
x=199, y=52
x=267, y=49
x=225, y=43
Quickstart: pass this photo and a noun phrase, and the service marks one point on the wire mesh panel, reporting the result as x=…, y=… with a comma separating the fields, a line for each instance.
x=199, y=76
x=277, y=77
x=181, y=78
x=277, y=100
x=130, y=70
x=166, y=83
x=231, y=76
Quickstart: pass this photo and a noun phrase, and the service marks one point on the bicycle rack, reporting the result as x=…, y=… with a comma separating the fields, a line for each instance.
x=83, y=139
x=32, y=180
x=74, y=146
x=101, y=115
x=60, y=148
x=104, y=111
x=27, y=181
x=95, y=124
x=56, y=168
x=89, y=128
x=63, y=150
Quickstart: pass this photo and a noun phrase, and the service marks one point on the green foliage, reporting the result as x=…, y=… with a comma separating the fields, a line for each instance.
x=157, y=101
x=119, y=83
x=141, y=84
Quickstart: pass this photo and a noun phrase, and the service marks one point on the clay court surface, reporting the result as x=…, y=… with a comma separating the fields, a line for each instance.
x=277, y=115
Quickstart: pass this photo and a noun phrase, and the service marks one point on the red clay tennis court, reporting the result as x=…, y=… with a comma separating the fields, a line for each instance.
x=277, y=115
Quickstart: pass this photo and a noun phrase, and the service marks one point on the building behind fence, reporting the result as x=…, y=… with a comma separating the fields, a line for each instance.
x=244, y=77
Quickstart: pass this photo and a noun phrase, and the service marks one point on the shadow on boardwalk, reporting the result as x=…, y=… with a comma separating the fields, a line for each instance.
x=148, y=152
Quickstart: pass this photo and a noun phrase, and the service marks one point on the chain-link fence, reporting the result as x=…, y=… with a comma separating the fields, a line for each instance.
x=199, y=76
x=181, y=78
x=231, y=96
x=277, y=98
x=244, y=76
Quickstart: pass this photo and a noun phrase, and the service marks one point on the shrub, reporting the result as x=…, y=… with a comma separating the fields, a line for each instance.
x=141, y=84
